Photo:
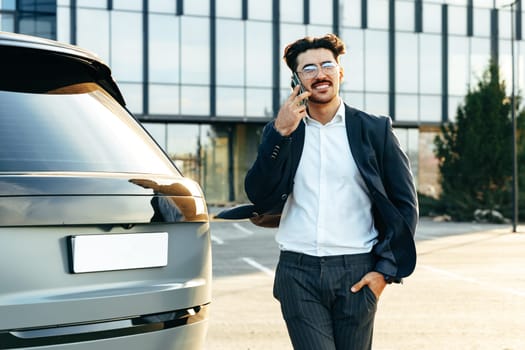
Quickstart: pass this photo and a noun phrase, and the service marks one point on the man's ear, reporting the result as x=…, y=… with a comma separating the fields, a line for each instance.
x=341, y=74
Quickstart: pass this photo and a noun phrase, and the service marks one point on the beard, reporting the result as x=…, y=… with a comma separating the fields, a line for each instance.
x=323, y=97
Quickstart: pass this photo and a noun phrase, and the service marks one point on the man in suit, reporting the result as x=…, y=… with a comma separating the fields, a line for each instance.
x=348, y=205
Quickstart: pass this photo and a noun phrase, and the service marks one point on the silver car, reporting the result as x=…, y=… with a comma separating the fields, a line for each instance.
x=103, y=243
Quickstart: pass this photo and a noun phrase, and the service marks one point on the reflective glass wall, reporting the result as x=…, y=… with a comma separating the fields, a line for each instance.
x=205, y=75
x=32, y=17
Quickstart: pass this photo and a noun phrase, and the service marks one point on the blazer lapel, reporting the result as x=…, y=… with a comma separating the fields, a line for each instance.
x=362, y=151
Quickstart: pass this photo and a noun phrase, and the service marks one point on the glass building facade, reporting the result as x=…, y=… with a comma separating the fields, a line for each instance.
x=204, y=76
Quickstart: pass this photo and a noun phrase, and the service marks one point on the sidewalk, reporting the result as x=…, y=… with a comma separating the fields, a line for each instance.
x=468, y=292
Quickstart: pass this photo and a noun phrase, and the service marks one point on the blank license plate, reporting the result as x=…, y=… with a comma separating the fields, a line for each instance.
x=94, y=253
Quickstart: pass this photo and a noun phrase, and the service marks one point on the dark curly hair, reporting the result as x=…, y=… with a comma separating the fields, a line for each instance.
x=330, y=41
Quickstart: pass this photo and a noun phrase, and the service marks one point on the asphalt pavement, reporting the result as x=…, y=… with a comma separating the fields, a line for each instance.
x=467, y=292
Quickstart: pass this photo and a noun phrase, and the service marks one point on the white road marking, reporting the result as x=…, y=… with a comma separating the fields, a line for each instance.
x=459, y=277
x=243, y=229
x=258, y=266
x=217, y=240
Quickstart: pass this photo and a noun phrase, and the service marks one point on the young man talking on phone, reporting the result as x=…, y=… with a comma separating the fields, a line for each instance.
x=347, y=200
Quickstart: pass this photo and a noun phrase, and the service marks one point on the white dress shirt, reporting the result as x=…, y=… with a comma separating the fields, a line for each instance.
x=329, y=211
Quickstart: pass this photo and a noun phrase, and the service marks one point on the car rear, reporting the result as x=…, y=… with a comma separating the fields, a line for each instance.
x=105, y=245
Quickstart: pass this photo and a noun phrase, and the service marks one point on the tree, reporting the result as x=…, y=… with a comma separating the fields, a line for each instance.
x=475, y=152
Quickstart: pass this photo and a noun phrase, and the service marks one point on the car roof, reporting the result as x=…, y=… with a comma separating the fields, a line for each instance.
x=33, y=42
x=27, y=42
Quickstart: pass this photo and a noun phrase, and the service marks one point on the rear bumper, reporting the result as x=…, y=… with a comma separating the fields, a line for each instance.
x=180, y=329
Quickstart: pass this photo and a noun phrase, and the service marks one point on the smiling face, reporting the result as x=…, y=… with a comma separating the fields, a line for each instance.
x=325, y=86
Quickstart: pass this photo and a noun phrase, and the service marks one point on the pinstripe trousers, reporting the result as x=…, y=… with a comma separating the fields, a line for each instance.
x=320, y=311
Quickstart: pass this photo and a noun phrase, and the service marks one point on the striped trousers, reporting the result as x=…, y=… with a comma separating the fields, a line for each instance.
x=320, y=311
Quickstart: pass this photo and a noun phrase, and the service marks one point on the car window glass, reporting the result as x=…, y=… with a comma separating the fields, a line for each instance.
x=78, y=128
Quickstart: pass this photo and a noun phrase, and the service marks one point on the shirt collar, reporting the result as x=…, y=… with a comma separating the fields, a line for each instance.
x=338, y=119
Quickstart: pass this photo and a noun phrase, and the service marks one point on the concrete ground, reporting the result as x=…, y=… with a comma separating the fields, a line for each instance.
x=468, y=293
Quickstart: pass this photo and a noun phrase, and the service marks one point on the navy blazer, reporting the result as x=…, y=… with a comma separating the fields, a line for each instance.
x=383, y=165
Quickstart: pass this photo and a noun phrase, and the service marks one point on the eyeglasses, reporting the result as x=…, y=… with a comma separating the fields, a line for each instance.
x=310, y=71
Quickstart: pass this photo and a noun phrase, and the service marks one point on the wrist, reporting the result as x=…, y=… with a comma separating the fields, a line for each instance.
x=388, y=279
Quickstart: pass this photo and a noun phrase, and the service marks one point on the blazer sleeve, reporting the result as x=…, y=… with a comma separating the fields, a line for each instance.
x=396, y=253
x=267, y=182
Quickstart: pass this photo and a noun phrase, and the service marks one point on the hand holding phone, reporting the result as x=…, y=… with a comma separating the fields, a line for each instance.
x=296, y=81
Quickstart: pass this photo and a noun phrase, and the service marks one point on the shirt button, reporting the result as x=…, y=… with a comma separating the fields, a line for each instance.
x=284, y=196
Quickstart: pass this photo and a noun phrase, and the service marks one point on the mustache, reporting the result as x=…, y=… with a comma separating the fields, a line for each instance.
x=321, y=81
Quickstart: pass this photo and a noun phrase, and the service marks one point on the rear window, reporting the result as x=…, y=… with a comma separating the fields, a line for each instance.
x=77, y=127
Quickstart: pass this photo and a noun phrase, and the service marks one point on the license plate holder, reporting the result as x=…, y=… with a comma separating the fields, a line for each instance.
x=112, y=252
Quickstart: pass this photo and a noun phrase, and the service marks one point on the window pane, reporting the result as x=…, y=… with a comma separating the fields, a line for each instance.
x=479, y=58
x=457, y=66
x=262, y=10
x=7, y=23
x=195, y=100
x=101, y=4
x=504, y=22
x=164, y=61
x=291, y=11
x=407, y=108
x=259, y=67
x=229, y=8
x=8, y=5
x=405, y=13
x=430, y=108
x=376, y=61
x=453, y=103
x=195, y=68
x=430, y=64
x=215, y=163
x=93, y=31
x=378, y=14
x=321, y=12
x=457, y=20
x=158, y=132
x=259, y=103
x=481, y=22
x=317, y=30
x=356, y=100
x=182, y=148
x=230, y=52
x=38, y=24
x=230, y=102
x=376, y=103
x=126, y=50
x=133, y=96
x=163, y=99
x=407, y=62
x=351, y=12
x=353, y=61
x=166, y=6
x=134, y=5
x=197, y=7
x=63, y=24
x=431, y=18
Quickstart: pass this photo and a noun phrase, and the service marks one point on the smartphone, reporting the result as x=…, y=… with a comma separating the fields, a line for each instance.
x=295, y=82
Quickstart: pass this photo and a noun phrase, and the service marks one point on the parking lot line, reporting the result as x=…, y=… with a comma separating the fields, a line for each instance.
x=459, y=277
x=258, y=266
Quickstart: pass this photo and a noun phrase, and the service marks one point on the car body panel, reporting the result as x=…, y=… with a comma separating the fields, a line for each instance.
x=73, y=199
x=77, y=167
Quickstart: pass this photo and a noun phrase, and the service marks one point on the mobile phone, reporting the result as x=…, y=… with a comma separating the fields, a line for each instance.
x=295, y=82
